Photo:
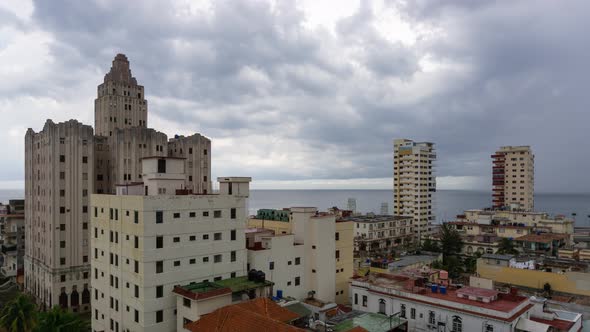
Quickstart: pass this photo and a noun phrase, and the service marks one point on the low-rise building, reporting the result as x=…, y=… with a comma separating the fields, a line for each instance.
x=280, y=258
x=12, y=238
x=197, y=299
x=155, y=235
x=327, y=246
x=381, y=234
x=554, y=224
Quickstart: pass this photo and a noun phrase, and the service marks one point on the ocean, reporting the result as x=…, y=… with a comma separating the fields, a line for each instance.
x=447, y=203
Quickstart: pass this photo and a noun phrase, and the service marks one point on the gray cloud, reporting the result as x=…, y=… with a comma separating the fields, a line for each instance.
x=284, y=101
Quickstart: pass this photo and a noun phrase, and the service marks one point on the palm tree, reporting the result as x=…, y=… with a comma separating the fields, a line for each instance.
x=506, y=247
x=19, y=315
x=59, y=320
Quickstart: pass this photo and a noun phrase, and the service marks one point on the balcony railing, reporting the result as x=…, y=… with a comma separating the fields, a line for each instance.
x=9, y=249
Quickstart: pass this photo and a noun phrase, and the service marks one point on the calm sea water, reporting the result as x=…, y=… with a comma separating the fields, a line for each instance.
x=447, y=203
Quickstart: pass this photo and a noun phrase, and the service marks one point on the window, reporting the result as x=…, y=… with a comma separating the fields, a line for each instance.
x=233, y=256
x=136, y=293
x=176, y=239
x=205, y=259
x=136, y=267
x=402, y=311
x=217, y=236
x=85, y=160
x=297, y=281
x=159, y=217
x=233, y=213
x=176, y=215
x=136, y=242
x=192, y=238
x=356, y=298
x=217, y=214
x=62, y=176
x=271, y=265
x=297, y=260
x=62, y=261
x=62, y=193
x=62, y=209
x=192, y=261
x=62, y=158
x=62, y=244
x=381, y=304
x=457, y=324
x=176, y=263
x=337, y=236
x=337, y=254
x=365, y=300
x=431, y=317
x=136, y=217
x=217, y=259
x=159, y=242
x=413, y=313
x=205, y=213
x=136, y=316
x=159, y=316
x=192, y=214
x=62, y=278
x=205, y=236
x=159, y=266
x=159, y=291
x=161, y=165
x=489, y=328
x=186, y=302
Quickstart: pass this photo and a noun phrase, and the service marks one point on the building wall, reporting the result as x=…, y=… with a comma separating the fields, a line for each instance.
x=197, y=309
x=320, y=262
x=569, y=282
x=344, y=264
x=12, y=239
x=197, y=151
x=414, y=177
x=58, y=182
x=283, y=253
x=279, y=227
x=202, y=249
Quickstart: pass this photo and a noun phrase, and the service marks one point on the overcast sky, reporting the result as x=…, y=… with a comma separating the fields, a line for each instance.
x=311, y=94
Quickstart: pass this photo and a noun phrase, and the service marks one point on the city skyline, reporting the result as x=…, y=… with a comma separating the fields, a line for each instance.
x=277, y=103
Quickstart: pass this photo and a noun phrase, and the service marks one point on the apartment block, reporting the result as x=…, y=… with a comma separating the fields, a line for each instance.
x=414, y=183
x=513, y=177
x=381, y=234
x=58, y=182
x=153, y=236
x=328, y=259
x=12, y=239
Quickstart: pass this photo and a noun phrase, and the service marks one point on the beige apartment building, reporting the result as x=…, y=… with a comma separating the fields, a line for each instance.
x=59, y=177
x=414, y=183
x=513, y=177
x=150, y=237
x=327, y=259
x=66, y=162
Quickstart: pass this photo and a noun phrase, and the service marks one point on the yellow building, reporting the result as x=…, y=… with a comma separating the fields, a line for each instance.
x=344, y=259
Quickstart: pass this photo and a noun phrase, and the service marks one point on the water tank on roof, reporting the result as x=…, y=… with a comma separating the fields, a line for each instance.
x=434, y=288
x=279, y=293
x=260, y=276
x=443, y=290
x=252, y=275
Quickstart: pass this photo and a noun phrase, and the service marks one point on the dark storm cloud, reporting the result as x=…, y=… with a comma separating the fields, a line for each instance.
x=322, y=104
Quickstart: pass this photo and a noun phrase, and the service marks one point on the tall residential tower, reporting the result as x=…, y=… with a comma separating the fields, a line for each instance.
x=414, y=182
x=513, y=177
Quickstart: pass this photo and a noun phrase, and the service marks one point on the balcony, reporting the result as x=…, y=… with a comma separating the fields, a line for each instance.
x=498, y=156
x=498, y=183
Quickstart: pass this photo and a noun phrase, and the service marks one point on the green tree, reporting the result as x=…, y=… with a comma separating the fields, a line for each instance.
x=59, y=320
x=506, y=247
x=450, y=242
x=429, y=245
x=19, y=315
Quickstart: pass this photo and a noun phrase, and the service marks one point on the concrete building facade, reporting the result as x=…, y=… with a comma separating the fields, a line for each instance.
x=143, y=245
x=513, y=177
x=380, y=234
x=12, y=238
x=414, y=183
x=58, y=182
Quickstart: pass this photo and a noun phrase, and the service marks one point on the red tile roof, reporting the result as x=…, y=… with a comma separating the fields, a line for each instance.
x=259, y=315
x=357, y=329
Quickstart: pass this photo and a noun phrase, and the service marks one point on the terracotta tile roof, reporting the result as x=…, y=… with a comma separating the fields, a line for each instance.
x=560, y=325
x=266, y=307
x=357, y=329
x=259, y=315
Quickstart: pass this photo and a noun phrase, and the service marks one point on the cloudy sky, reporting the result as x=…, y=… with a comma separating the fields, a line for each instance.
x=310, y=94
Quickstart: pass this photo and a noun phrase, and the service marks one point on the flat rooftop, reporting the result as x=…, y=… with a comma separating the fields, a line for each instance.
x=206, y=289
x=370, y=322
x=411, y=260
x=541, y=238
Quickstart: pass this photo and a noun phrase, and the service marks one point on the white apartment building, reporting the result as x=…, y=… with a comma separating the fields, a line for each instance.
x=381, y=233
x=513, y=177
x=153, y=236
x=414, y=182
x=281, y=259
x=58, y=182
x=459, y=310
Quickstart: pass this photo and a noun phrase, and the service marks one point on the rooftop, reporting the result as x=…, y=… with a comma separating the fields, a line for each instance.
x=257, y=315
x=206, y=289
x=369, y=322
x=376, y=218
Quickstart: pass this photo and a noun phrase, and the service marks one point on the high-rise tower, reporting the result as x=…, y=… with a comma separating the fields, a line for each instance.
x=121, y=101
x=513, y=177
x=414, y=182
